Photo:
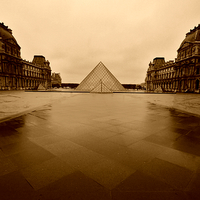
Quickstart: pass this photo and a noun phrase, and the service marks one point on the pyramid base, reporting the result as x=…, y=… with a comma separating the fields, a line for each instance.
x=101, y=92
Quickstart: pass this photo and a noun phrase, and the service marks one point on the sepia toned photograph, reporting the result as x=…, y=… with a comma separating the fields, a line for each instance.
x=99, y=100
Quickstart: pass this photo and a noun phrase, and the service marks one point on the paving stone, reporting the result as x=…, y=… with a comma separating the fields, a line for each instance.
x=17, y=147
x=6, y=166
x=169, y=173
x=124, y=140
x=88, y=146
x=182, y=159
x=148, y=148
x=117, y=129
x=82, y=158
x=74, y=186
x=138, y=135
x=109, y=173
x=61, y=147
x=15, y=186
x=47, y=139
x=187, y=144
x=168, y=134
x=46, y=172
x=131, y=158
x=139, y=181
x=176, y=195
x=156, y=139
x=30, y=157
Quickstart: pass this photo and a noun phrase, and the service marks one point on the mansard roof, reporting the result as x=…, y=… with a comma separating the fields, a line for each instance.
x=6, y=34
x=191, y=37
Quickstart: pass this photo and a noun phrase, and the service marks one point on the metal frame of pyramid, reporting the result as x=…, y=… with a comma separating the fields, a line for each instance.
x=100, y=80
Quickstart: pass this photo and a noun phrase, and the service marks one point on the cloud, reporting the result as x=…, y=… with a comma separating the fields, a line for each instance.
x=74, y=35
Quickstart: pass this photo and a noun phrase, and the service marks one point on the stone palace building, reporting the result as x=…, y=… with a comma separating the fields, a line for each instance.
x=16, y=73
x=181, y=75
x=56, y=80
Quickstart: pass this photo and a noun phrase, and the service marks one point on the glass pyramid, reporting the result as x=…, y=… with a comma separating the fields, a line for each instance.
x=100, y=80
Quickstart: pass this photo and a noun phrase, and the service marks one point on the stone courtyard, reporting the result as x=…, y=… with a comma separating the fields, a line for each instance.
x=99, y=146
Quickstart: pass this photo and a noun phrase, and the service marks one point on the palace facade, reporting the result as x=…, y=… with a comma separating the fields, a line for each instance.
x=16, y=73
x=181, y=75
x=56, y=79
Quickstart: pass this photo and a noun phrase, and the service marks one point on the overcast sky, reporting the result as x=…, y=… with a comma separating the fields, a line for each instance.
x=75, y=35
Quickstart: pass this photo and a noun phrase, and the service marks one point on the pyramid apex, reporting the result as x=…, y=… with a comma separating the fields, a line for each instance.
x=101, y=63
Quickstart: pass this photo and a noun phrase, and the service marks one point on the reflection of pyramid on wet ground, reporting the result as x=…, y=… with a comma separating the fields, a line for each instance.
x=100, y=80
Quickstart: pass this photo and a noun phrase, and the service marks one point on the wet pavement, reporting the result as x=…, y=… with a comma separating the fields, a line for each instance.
x=15, y=103
x=100, y=146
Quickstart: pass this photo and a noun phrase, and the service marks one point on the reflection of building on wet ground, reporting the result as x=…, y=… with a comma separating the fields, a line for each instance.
x=16, y=73
x=91, y=146
x=183, y=74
